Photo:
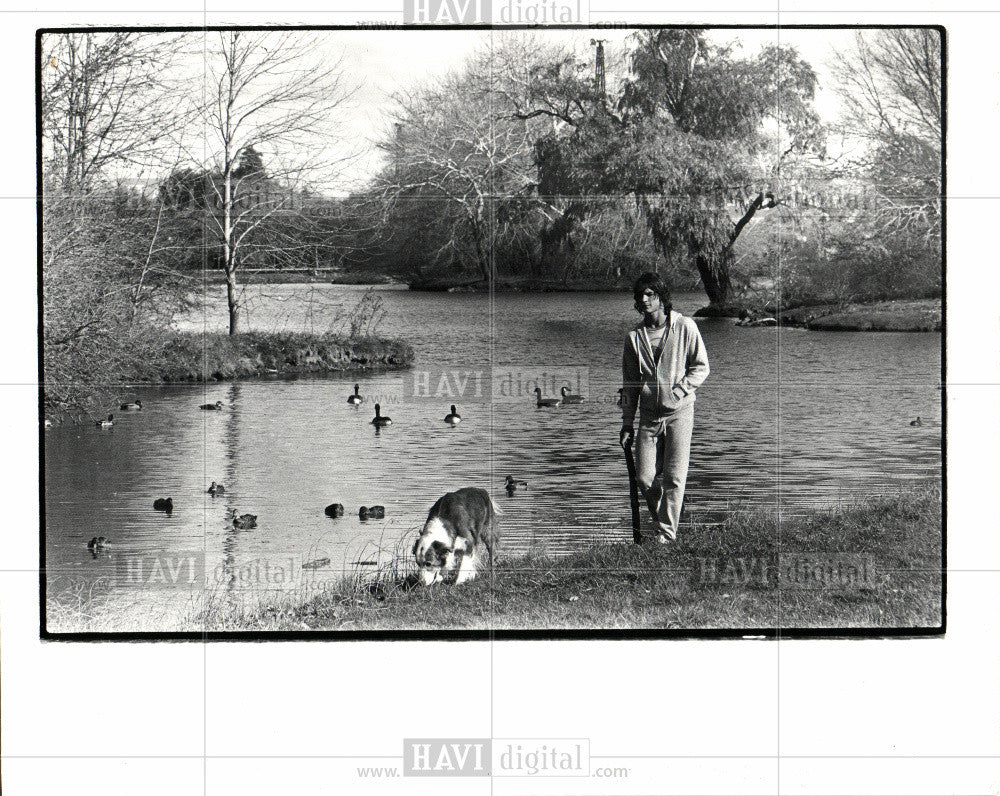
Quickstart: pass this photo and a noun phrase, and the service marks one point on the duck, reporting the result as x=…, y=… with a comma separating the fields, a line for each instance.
x=569, y=398
x=131, y=406
x=216, y=489
x=244, y=521
x=545, y=401
x=363, y=513
x=164, y=504
x=512, y=485
x=376, y=512
x=98, y=543
x=621, y=392
x=917, y=422
x=334, y=510
x=109, y=423
x=453, y=418
x=216, y=406
x=356, y=398
x=380, y=420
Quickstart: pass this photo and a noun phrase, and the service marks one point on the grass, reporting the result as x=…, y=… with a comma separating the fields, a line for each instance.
x=916, y=315
x=219, y=356
x=715, y=576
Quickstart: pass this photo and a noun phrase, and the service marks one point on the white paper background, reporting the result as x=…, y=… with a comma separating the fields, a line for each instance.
x=705, y=717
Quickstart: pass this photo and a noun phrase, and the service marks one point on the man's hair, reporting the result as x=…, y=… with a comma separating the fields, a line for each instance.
x=654, y=282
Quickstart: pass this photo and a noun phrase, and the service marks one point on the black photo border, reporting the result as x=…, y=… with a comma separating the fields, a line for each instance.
x=490, y=634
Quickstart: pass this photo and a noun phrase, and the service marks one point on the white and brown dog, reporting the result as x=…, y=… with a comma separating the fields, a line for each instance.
x=457, y=524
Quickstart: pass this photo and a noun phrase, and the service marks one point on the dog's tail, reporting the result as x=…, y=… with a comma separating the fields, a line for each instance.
x=493, y=503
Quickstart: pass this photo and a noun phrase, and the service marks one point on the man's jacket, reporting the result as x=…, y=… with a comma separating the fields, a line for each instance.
x=662, y=385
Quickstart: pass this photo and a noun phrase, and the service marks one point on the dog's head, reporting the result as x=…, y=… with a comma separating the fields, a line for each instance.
x=434, y=552
x=433, y=556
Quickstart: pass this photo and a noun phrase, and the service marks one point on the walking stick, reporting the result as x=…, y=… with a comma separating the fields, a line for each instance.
x=633, y=493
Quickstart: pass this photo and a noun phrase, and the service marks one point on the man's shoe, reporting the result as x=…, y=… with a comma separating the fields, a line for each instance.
x=665, y=535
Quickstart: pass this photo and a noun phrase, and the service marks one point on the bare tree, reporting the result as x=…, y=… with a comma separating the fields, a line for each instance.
x=891, y=87
x=890, y=83
x=274, y=94
x=106, y=101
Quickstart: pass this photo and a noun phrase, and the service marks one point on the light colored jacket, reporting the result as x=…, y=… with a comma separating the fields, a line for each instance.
x=662, y=386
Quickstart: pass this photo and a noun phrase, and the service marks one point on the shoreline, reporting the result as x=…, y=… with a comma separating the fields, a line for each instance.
x=900, y=315
x=195, y=357
x=895, y=315
x=886, y=552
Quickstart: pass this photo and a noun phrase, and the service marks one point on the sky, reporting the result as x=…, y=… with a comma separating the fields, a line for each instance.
x=379, y=62
x=385, y=61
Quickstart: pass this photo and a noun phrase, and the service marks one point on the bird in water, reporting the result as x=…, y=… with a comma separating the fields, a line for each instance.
x=380, y=420
x=453, y=418
x=98, y=543
x=132, y=406
x=570, y=398
x=244, y=521
x=109, y=423
x=164, y=504
x=917, y=422
x=216, y=489
x=216, y=406
x=621, y=391
x=356, y=398
x=539, y=401
x=512, y=485
x=334, y=510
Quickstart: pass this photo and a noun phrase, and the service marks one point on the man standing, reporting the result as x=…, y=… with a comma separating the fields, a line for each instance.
x=663, y=364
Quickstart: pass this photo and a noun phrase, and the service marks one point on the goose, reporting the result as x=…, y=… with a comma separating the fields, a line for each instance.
x=164, y=504
x=546, y=401
x=453, y=418
x=355, y=399
x=512, y=486
x=97, y=543
x=334, y=510
x=380, y=419
x=917, y=422
x=216, y=405
x=106, y=423
x=569, y=398
x=132, y=406
x=216, y=489
x=243, y=521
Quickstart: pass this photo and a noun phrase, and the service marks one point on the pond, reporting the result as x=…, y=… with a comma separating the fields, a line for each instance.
x=788, y=419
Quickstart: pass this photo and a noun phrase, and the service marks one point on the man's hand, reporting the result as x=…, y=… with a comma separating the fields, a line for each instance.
x=626, y=436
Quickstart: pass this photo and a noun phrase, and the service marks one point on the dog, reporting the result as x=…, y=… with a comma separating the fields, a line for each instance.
x=457, y=524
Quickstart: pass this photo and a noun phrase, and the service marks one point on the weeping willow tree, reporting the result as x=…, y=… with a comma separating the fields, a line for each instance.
x=700, y=137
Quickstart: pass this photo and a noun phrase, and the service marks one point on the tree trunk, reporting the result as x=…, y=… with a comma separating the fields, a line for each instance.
x=228, y=251
x=715, y=275
x=234, y=308
x=482, y=258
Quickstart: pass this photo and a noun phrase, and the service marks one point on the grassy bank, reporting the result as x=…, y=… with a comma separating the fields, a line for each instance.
x=917, y=315
x=520, y=284
x=281, y=276
x=219, y=356
x=736, y=575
